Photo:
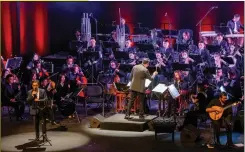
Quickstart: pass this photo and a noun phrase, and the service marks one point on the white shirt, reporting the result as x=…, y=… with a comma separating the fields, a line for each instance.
x=235, y=28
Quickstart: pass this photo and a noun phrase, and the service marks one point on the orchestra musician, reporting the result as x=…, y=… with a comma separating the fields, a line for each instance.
x=36, y=95
x=66, y=68
x=197, y=107
x=75, y=78
x=128, y=46
x=205, y=55
x=234, y=26
x=78, y=35
x=12, y=94
x=226, y=118
x=184, y=58
x=39, y=70
x=139, y=74
x=219, y=41
x=127, y=30
x=186, y=38
x=50, y=89
x=30, y=65
x=63, y=88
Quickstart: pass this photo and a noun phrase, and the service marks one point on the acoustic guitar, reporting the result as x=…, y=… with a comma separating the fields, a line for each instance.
x=217, y=115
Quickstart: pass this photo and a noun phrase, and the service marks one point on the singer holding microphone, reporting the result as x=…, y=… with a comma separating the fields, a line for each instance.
x=36, y=95
x=138, y=76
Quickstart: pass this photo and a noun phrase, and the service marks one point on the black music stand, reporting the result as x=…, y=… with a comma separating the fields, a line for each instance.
x=222, y=29
x=119, y=55
x=151, y=55
x=126, y=67
x=122, y=87
x=196, y=58
x=95, y=55
x=41, y=106
x=182, y=67
x=213, y=48
x=228, y=60
x=145, y=47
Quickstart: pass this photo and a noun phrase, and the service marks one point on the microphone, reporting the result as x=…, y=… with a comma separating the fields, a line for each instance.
x=166, y=14
x=214, y=7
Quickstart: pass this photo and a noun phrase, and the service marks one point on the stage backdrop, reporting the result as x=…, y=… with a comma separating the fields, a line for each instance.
x=47, y=27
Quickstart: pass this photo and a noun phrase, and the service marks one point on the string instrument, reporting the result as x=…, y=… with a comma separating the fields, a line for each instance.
x=82, y=82
x=42, y=72
x=116, y=76
x=217, y=115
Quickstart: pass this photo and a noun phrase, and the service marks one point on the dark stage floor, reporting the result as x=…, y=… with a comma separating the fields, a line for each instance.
x=70, y=136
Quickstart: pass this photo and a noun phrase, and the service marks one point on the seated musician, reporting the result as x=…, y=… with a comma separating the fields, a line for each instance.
x=30, y=65
x=97, y=62
x=186, y=38
x=39, y=70
x=46, y=84
x=234, y=26
x=78, y=35
x=166, y=49
x=36, y=95
x=12, y=95
x=220, y=63
x=66, y=68
x=197, y=107
x=219, y=41
x=75, y=78
x=204, y=52
x=226, y=118
x=182, y=86
x=63, y=88
x=184, y=58
x=128, y=46
x=32, y=78
x=160, y=63
x=132, y=58
x=127, y=30
x=114, y=70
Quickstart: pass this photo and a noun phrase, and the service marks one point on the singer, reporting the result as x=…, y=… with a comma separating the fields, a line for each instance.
x=36, y=95
x=138, y=76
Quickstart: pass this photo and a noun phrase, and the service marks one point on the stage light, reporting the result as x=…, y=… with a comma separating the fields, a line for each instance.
x=61, y=141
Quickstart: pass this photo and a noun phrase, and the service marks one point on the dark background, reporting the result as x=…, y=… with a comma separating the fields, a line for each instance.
x=47, y=27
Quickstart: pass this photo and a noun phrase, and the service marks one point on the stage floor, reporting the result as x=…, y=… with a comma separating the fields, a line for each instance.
x=117, y=122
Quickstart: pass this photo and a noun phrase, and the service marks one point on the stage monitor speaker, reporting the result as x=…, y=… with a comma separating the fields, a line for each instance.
x=189, y=134
x=96, y=120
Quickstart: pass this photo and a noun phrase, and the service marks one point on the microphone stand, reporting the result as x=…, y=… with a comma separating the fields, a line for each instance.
x=200, y=22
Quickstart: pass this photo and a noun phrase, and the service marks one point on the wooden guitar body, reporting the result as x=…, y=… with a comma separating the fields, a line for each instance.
x=215, y=115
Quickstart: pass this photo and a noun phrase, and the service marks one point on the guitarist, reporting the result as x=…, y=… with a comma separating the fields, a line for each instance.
x=226, y=118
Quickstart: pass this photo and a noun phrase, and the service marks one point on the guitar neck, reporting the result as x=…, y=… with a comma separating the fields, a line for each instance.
x=228, y=106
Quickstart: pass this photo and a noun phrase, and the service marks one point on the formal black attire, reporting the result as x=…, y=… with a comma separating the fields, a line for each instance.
x=10, y=92
x=34, y=110
x=226, y=120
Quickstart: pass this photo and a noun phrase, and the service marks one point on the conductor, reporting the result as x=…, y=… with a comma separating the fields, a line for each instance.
x=138, y=76
x=36, y=95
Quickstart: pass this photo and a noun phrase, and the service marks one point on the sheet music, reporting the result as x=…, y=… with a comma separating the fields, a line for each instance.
x=173, y=91
x=147, y=83
x=160, y=88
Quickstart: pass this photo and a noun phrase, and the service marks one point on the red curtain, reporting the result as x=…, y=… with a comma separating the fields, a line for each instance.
x=26, y=24
x=9, y=23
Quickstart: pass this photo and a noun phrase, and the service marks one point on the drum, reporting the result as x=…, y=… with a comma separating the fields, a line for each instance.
x=67, y=107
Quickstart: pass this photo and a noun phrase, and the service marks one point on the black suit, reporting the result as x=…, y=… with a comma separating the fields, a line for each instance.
x=39, y=114
x=10, y=92
x=231, y=26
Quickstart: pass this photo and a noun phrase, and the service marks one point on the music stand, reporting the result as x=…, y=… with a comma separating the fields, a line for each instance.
x=151, y=55
x=126, y=67
x=214, y=48
x=122, y=87
x=222, y=29
x=119, y=55
x=145, y=47
x=196, y=58
x=95, y=55
x=209, y=70
x=182, y=67
x=229, y=60
x=147, y=83
x=41, y=107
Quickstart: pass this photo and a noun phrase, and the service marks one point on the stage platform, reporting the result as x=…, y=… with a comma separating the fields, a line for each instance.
x=117, y=122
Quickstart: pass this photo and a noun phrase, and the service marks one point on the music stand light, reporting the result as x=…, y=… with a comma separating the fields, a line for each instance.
x=147, y=83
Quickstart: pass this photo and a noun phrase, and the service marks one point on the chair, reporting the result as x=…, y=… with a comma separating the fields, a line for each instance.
x=94, y=94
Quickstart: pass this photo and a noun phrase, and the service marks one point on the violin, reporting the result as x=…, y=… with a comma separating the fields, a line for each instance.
x=116, y=76
x=82, y=82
